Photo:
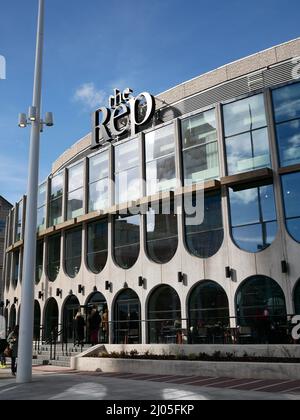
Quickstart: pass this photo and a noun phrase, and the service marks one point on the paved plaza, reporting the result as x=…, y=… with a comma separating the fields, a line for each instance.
x=50, y=383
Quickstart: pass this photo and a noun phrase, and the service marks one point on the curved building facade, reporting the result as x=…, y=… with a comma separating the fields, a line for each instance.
x=105, y=238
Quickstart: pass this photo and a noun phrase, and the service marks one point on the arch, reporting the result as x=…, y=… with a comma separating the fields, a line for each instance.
x=261, y=306
x=97, y=246
x=164, y=316
x=53, y=256
x=296, y=296
x=208, y=309
x=97, y=299
x=36, y=321
x=51, y=319
x=127, y=317
x=69, y=311
x=126, y=240
x=12, y=317
x=73, y=251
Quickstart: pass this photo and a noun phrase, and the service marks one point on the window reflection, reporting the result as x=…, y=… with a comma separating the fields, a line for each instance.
x=97, y=245
x=98, y=182
x=39, y=261
x=19, y=232
x=53, y=259
x=200, y=148
x=73, y=252
x=126, y=240
x=160, y=160
x=75, y=191
x=15, y=269
x=253, y=217
x=41, y=211
x=291, y=197
x=205, y=239
x=247, y=144
x=127, y=172
x=56, y=200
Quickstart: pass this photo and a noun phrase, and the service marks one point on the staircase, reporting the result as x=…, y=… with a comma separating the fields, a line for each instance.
x=63, y=359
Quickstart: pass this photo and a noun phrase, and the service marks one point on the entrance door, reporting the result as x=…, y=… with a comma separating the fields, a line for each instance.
x=72, y=306
x=128, y=326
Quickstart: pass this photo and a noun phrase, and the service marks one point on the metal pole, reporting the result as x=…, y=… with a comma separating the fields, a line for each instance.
x=24, y=373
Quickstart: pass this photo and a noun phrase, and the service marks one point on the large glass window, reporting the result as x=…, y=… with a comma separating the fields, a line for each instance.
x=75, y=191
x=162, y=235
x=56, y=200
x=98, y=182
x=205, y=239
x=97, y=245
x=41, y=212
x=200, y=148
x=164, y=316
x=160, y=160
x=208, y=313
x=127, y=172
x=53, y=260
x=286, y=102
x=291, y=197
x=126, y=240
x=253, y=217
x=39, y=261
x=73, y=250
x=19, y=232
x=246, y=135
x=260, y=301
x=127, y=325
x=16, y=268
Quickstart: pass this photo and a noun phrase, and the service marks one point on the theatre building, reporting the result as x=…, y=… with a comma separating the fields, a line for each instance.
x=113, y=229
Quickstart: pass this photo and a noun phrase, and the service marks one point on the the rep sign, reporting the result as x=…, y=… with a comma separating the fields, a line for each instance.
x=125, y=114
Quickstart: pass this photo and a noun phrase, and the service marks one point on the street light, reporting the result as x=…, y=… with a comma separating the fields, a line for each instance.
x=24, y=373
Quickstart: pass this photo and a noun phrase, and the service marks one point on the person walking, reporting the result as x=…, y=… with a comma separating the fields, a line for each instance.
x=94, y=325
x=104, y=325
x=79, y=329
x=13, y=342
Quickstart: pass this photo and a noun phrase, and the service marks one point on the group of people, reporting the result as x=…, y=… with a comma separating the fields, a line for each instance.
x=9, y=349
x=97, y=325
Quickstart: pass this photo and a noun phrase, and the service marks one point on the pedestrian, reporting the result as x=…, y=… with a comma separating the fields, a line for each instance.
x=13, y=341
x=94, y=325
x=79, y=329
x=104, y=325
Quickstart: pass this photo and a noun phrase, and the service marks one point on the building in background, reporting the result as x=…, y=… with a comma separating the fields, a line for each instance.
x=233, y=277
x=5, y=208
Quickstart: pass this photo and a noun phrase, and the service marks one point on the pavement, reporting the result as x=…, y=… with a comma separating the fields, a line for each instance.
x=56, y=383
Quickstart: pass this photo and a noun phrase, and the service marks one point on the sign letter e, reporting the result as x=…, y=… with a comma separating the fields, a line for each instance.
x=2, y=68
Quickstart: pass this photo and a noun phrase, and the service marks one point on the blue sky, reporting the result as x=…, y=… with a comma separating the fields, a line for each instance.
x=93, y=46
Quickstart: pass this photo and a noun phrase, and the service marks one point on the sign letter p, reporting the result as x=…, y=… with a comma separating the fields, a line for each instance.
x=2, y=67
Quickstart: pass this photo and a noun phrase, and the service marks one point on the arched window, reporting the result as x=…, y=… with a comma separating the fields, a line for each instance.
x=97, y=245
x=253, y=217
x=37, y=321
x=164, y=316
x=16, y=268
x=12, y=317
x=50, y=318
x=127, y=325
x=204, y=239
x=53, y=257
x=39, y=261
x=70, y=309
x=162, y=235
x=208, y=313
x=297, y=298
x=73, y=250
x=291, y=198
x=98, y=300
x=260, y=301
x=126, y=240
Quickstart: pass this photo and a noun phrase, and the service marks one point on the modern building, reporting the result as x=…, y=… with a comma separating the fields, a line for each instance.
x=233, y=276
x=5, y=208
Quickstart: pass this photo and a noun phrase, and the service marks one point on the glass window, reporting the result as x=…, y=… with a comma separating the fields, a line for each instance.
x=297, y=298
x=8, y=270
x=162, y=235
x=253, y=217
x=19, y=232
x=164, y=316
x=73, y=249
x=286, y=102
x=200, y=148
x=56, y=200
x=97, y=245
x=208, y=313
x=204, y=240
x=246, y=135
x=16, y=267
x=39, y=261
x=98, y=182
x=127, y=328
x=126, y=240
x=11, y=221
x=75, y=191
x=53, y=260
x=291, y=198
x=41, y=211
x=255, y=298
x=160, y=160
x=127, y=172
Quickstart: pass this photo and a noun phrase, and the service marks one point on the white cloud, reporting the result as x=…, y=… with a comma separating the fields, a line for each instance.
x=88, y=95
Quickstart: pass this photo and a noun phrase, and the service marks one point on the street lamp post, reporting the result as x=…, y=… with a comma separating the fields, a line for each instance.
x=24, y=373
